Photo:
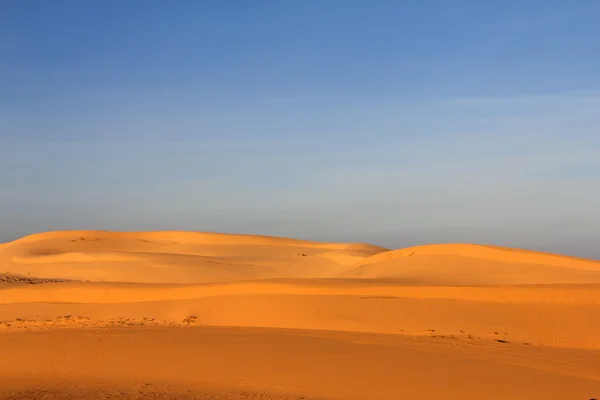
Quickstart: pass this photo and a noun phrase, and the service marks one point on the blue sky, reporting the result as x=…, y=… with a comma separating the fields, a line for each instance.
x=393, y=122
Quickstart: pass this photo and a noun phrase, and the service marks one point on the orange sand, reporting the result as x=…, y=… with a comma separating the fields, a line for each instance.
x=183, y=315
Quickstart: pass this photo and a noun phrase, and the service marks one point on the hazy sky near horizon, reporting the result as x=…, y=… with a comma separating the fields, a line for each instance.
x=392, y=122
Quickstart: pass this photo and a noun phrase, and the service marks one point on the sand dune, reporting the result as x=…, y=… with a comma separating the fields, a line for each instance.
x=464, y=264
x=205, y=315
x=175, y=257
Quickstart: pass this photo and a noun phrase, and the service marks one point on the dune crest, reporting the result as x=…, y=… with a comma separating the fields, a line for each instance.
x=185, y=237
x=175, y=256
x=469, y=264
x=505, y=254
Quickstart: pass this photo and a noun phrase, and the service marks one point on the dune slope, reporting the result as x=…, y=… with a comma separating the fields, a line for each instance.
x=267, y=364
x=466, y=264
x=175, y=257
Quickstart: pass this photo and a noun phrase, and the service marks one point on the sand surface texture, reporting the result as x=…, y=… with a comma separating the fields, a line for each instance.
x=186, y=315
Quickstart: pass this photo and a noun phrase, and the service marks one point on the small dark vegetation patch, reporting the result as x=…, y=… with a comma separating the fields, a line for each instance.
x=189, y=320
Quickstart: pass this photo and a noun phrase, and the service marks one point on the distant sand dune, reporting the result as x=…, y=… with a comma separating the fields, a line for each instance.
x=462, y=264
x=175, y=257
x=100, y=314
x=182, y=237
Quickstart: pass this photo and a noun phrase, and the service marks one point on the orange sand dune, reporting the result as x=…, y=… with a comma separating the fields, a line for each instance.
x=150, y=315
x=451, y=264
x=175, y=257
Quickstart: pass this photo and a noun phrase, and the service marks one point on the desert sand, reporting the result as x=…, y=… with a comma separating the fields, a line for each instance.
x=189, y=315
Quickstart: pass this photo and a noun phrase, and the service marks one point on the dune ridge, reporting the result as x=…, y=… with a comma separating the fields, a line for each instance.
x=470, y=264
x=198, y=257
x=175, y=257
x=183, y=237
x=505, y=254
